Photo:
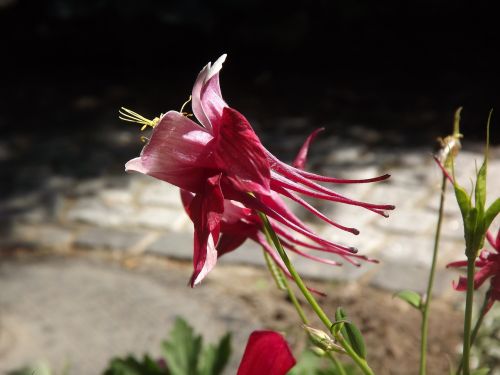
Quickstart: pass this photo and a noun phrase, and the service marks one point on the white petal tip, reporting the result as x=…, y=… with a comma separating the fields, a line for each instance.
x=216, y=67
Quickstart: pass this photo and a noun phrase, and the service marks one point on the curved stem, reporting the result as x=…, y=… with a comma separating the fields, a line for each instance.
x=468, y=314
x=310, y=298
x=424, y=328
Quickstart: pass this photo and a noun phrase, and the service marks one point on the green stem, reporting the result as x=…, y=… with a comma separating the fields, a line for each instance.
x=284, y=282
x=468, y=313
x=475, y=331
x=424, y=328
x=309, y=297
x=337, y=363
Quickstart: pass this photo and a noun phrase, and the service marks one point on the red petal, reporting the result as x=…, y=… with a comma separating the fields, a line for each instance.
x=300, y=160
x=205, y=210
x=239, y=153
x=310, y=208
x=230, y=242
x=266, y=353
x=207, y=102
x=176, y=153
x=494, y=242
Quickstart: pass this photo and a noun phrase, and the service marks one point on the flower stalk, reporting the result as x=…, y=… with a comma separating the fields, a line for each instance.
x=471, y=265
x=360, y=362
x=482, y=314
x=424, y=328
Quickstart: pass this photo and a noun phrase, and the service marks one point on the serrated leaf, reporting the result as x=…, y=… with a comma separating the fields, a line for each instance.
x=491, y=213
x=131, y=366
x=214, y=358
x=412, y=298
x=182, y=349
x=351, y=334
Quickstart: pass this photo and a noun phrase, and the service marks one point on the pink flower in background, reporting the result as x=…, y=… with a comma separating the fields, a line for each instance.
x=489, y=268
x=266, y=353
x=223, y=160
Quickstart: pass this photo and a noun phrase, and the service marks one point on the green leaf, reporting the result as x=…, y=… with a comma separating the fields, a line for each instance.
x=412, y=298
x=351, y=334
x=309, y=363
x=463, y=200
x=480, y=189
x=337, y=326
x=131, y=366
x=214, y=358
x=472, y=236
x=481, y=371
x=182, y=349
x=41, y=368
x=491, y=213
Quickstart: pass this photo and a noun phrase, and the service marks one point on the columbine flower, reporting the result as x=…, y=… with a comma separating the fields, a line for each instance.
x=489, y=268
x=223, y=159
x=266, y=353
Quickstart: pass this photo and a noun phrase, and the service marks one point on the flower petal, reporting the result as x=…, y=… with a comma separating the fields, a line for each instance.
x=205, y=210
x=239, y=153
x=494, y=242
x=300, y=159
x=207, y=102
x=266, y=353
x=176, y=153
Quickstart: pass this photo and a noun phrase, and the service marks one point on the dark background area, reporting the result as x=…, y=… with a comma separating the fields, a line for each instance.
x=399, y=68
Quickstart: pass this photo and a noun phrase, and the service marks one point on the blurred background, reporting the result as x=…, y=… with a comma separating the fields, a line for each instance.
x=383, y=78
x=400, y=68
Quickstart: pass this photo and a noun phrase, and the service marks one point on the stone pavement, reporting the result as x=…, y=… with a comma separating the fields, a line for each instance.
x=80, y=312
x=136, y=214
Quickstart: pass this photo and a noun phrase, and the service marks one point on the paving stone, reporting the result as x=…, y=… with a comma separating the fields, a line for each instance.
x=106, y=238
x=249, y=254
x=368, y=242
x=319, y=271
x=160, y=218
x=87, y=187
x=406, y=221
x=405, y=252
x=160, y=193
x=85, y=312
x=39, y=236
x=176, y=245
x=116, y=196
x=93, y=211
x=404, y=198
x=396, y=277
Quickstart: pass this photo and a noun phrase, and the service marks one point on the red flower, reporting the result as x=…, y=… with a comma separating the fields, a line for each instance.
x=266, y=353
x=223, y=159
x=489, y=268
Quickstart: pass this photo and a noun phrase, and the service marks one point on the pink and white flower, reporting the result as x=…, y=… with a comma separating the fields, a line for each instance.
x=221, y=159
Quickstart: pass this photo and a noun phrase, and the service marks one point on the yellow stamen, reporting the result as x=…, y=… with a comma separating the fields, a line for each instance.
x=131, y=116
x=187, y=114
x=185, y=103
